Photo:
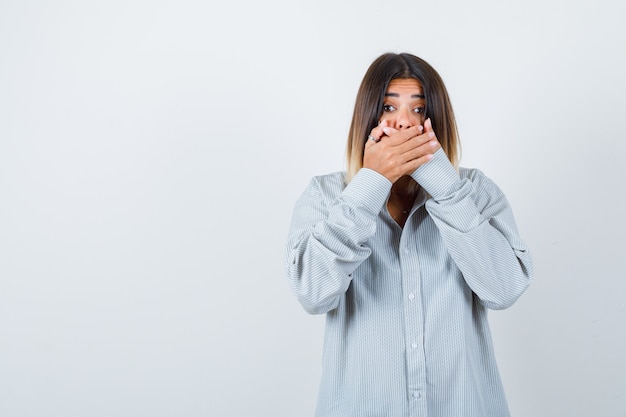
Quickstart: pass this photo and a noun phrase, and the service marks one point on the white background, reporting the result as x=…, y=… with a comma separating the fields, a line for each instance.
x=151, y=153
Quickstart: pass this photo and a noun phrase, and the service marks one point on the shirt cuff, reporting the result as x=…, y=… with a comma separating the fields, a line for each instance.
x=437, y=176
x=369, y=189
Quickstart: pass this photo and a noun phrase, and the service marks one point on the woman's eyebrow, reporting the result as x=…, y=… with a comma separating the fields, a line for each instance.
x=398, y=95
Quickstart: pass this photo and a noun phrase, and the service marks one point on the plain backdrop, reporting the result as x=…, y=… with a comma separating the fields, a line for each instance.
x=151, y=153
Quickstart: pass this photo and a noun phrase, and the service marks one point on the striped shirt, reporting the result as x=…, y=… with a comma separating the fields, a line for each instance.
x=406, y=308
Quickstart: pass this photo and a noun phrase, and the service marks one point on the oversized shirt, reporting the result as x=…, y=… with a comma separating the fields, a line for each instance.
x=406, y=308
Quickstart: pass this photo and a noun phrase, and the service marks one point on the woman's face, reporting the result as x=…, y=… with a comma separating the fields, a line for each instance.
x=404, y=104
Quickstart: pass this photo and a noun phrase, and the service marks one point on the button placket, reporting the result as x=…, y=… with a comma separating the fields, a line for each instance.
x=415, y=363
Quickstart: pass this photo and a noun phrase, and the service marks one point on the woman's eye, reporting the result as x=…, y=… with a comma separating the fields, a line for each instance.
x=419, y=110
x=388, y=108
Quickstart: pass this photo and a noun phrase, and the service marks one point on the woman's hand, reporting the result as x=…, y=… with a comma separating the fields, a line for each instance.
x=399, y=152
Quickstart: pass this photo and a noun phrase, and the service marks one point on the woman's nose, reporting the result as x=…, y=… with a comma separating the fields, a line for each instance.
x=406, y=119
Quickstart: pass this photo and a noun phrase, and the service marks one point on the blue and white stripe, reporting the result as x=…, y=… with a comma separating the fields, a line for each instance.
x=406, y=308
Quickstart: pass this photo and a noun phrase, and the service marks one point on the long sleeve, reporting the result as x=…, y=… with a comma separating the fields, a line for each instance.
x=327, y=238
x=479, y=231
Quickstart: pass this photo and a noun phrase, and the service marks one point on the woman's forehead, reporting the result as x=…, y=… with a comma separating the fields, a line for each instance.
x=402, y=86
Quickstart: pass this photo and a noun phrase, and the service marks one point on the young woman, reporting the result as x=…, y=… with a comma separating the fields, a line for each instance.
x=405, y=253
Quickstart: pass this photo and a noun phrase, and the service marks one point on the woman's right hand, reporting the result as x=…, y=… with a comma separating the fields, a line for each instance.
x=399, y=152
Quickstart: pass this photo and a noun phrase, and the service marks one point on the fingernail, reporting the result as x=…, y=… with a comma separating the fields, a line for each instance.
x=421, y=128
x=386, y=130
x=431, y=134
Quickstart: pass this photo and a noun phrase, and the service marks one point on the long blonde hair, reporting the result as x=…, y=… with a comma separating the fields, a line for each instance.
x=369, y=105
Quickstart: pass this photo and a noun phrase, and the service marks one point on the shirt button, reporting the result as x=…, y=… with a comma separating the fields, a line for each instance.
x=414, y=345
x=411, y=296
x=406, y=250
x=416, y=394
